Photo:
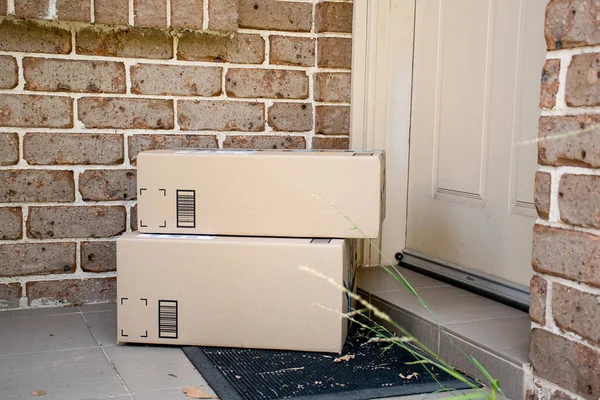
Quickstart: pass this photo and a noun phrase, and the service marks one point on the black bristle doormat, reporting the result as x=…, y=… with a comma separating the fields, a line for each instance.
x=365, y=371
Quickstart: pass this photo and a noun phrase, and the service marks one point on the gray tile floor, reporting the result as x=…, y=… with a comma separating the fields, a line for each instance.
x=71, y=354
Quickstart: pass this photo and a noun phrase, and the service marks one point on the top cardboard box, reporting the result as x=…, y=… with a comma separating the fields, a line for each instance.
x=330, y=194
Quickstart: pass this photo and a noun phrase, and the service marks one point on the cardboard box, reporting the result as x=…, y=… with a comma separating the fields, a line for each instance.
x=261, y=193
x=232, y=291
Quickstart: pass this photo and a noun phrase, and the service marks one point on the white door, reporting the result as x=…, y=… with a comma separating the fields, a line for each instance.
x=476, y=78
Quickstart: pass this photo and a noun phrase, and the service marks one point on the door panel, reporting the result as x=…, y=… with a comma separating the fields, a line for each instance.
x=460, y=96
x=477, y=68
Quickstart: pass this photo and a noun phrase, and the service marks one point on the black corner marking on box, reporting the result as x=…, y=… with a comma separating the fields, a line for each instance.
x=145, y=300
x=164, y=225
x=123, y=334
x=168, y=321
x=145, y=335
x=320, y=241
x=123, y=298
x=362, y=154
x=186, y=208
x=142, y=224
x=164, y=191
x=141, y=190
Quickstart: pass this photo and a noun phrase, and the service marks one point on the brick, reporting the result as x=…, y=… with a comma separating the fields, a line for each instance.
x=203, y=46
x=187, y=14
x=125, y=42
x=72, y=291
x=537, y=308
x=139, y=143
x=73, y=148
x=44, y=74
x=572, y=23
x=335, y=53
x=275, y=15
x=74, y=10
x=287, y=50
x=583, y=84
x=114, y=12
x=333, y=17
x=37, y=259
x=333, y=120
x=264, y=142
x=291, y=117
x=75, y=222
x=332, y=87
x=11, y=222
x=32, y=111
x=549, y=86
x=9, y=148
x=220, y=116
x=328, y=143
x=576, y=311
x=175, y=80
x=31, y=37
x=569, y=140
x=579, y=200
x=266, y=83
x=10, y=294
x=32, y=9
x=150, y=13
x=223, y=15
x=31, y=185
x=542, y=193
x=554, y=357
x=8, y=72
x=567, y=254
x=99, y=256
x=126, y=113
x=133, y=218
x=106, y=185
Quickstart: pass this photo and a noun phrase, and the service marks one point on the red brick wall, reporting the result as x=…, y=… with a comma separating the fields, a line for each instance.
x=219, y=15
x=79, y=100
x=565, y=291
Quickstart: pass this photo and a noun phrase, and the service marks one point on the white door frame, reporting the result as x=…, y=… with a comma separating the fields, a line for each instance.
x=382, y=57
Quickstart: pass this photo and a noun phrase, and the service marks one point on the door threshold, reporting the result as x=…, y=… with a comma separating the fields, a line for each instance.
x=458, y=322
x=478, y=282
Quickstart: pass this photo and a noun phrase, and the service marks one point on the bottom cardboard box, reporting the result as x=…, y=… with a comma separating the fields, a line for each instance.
x=224, y=291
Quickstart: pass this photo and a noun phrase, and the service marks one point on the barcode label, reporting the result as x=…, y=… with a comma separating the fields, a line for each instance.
x=186, y=208
x=167, y=319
